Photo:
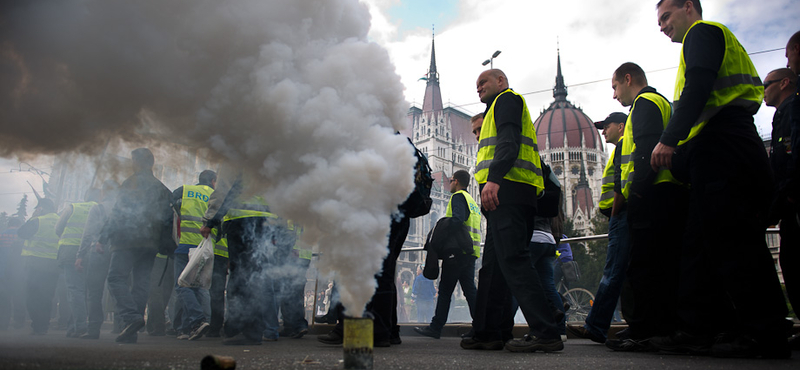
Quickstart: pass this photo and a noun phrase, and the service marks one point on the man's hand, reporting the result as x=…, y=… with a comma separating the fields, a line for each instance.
x=489, y=199
x=79, y=264
x=205, y=231
x=99, y=248
x=662, y=157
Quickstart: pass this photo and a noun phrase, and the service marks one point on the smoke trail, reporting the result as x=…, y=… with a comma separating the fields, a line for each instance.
x=291, y=90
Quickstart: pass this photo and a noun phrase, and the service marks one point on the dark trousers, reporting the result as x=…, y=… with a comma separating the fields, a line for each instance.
x=508, y=271
x=12, y=290
x=41, y=279
x=384, y=302
x=129, y=281
x=790, y=257
x=248, y=240
x=96, y=274
x=459, y=269
x=656, y=223
x=160, y=292
x=291, y=295
x=217, y=293
x=383, y=305
x=727, y=252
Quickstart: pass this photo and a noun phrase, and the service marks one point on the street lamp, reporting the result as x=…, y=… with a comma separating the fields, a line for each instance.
x=491, y=60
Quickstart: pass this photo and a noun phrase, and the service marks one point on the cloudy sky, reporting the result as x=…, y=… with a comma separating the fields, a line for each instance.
x=594, y=38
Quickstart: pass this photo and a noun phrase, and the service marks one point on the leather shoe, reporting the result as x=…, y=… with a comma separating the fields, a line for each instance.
x=581, y=332
x=331, y=338
x=531, y=343
x=472, y=343
x=631, y=345
x=428, y=332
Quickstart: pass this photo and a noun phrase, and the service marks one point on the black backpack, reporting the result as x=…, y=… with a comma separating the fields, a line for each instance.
x=550, y=199
x=419, y=201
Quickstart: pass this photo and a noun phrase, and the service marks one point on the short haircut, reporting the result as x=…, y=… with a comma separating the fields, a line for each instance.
x=206, y=177
x=782, y=73
x=143, y=157
x=476, y=117
x=462, y=177
x=794, y=40
x=679, y=3
x=637, y=73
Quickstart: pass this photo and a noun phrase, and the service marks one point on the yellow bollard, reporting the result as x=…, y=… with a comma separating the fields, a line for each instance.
x=357, y=343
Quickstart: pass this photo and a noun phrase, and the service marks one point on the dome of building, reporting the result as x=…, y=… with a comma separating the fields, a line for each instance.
x=563, y=125
x=569, y=142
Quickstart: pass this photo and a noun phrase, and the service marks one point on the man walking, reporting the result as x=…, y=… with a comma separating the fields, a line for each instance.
x=139, y=225
x=191, y=202
x=458, y=267
x=40, y=252
x=613, y=205
x=712, y=141
x=510, y=177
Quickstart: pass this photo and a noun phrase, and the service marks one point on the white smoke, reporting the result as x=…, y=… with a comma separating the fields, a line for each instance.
x=291, y=90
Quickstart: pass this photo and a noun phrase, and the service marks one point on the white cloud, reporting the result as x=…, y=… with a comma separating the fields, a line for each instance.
x=595, y=38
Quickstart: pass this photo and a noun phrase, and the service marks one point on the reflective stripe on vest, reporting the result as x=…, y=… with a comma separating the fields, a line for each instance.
x=303, y=253
x=194, y=204
x=256, y=206
x=607, y=188
x=221, y=247
x=527, y=168
x=76, y=223
x=44, y=243
x=737, y=82
x=629, y=147
x=473, y=223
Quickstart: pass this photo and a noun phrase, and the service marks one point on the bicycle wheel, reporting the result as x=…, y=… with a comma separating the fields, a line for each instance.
x=580, y=301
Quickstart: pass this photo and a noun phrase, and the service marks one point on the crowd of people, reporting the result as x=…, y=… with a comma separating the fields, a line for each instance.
x=689, y=191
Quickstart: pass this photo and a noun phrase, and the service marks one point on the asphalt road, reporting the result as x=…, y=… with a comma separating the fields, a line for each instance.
x=19, y=350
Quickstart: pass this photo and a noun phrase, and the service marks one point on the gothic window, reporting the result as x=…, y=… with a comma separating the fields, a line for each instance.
x=557, y=171
x=448, y=136
x=575, y=170
x=591, y=171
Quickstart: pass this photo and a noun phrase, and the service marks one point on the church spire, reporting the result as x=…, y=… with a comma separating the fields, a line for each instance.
x=560, y=91
x=433, y=95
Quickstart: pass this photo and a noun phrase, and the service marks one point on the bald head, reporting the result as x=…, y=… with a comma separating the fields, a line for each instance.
x=793, y=53
x=779, y=85
x=491, y=83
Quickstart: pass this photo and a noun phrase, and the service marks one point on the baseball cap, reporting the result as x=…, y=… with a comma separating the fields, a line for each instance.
x=615, y=117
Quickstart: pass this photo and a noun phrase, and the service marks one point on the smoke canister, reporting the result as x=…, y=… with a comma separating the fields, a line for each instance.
x=213, y=362
x=357, y=343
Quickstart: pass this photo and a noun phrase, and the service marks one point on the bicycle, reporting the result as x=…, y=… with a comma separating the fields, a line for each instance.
x=580, y=301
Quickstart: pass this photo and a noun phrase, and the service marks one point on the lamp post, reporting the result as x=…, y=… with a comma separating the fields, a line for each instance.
x=491, y=60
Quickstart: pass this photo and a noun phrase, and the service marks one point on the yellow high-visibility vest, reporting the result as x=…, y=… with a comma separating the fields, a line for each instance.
x=44, y=243
x=473, y=223
x=194, y=204
x=737, y=82
x=73, y=232
x=607, y=188
x=527, y=168
x=256, y=206
x=629, y=147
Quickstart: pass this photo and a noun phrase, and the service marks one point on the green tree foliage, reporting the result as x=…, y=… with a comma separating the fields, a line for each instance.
x=591, y=256
x=3, y=220
x=22, y=208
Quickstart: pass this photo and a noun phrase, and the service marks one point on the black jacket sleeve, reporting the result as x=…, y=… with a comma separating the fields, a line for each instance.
x=29, y=229
x=459, y=207
x=508, y=120
x=177, y=197
x=703, y=51
x=647, y=127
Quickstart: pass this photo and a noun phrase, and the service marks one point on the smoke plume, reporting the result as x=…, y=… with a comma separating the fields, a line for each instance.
x=291, y=90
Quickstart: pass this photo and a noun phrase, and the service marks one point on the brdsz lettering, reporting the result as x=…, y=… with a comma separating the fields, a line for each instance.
x=201, y=196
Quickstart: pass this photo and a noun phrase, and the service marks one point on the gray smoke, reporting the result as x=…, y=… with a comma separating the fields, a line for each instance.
x=291, y=90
